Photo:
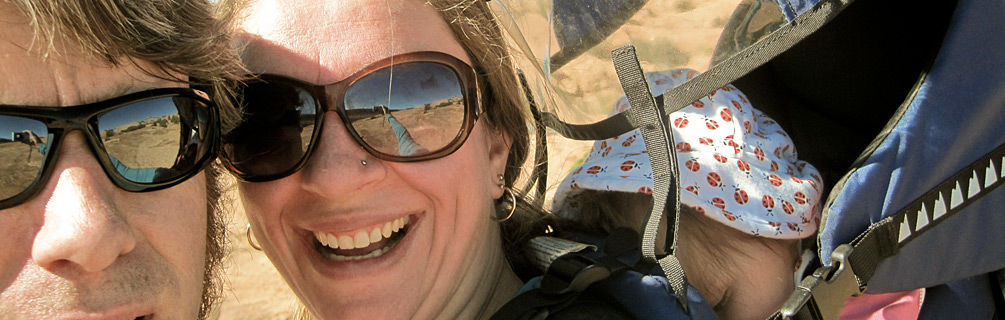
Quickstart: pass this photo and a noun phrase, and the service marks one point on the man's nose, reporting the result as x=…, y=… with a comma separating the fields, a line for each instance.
x=82, y=227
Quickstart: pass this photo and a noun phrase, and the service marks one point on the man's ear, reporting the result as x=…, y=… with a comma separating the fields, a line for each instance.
x=499, y=143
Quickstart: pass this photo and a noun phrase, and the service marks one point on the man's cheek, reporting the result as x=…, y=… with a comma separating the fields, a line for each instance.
x=16, y=244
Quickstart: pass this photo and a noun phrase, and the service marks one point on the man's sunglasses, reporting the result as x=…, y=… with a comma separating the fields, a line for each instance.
x=410, y=107
x=144, y=141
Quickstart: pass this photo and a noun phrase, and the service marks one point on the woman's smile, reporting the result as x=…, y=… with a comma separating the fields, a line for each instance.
x=365, y=243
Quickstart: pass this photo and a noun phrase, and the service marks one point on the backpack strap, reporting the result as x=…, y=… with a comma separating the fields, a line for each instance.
x=571, y=267
x=854, y=264
x=666, y=179
x=885, y=238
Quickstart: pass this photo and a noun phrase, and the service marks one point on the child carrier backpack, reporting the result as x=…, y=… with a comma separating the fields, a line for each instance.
x=920, y=204
x=901, y=106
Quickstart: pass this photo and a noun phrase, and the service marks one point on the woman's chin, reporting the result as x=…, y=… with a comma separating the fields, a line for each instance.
x=383, y=308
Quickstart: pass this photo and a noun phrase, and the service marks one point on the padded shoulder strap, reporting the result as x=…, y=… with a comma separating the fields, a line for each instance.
x=885, y=238
x=822, y=294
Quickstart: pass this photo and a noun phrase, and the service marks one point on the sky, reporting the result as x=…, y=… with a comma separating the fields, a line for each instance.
x=414, y=85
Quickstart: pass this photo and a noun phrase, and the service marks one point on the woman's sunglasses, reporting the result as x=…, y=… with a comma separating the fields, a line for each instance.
x=144, y=141
x=410, y=107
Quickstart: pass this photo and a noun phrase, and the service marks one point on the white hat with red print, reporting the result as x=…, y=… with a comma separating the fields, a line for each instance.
x=737, y=166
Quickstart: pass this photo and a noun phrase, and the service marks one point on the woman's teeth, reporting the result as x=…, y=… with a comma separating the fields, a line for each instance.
x=372, y=254
x=362, y=238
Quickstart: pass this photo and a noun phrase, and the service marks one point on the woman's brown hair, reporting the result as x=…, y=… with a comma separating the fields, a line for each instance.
x=477, y=30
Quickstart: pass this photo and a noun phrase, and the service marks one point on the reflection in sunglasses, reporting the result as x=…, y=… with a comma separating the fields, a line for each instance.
x=406, y=145
x=408, y=131
x=23, y=145
x=155, y=126
x=31, y=139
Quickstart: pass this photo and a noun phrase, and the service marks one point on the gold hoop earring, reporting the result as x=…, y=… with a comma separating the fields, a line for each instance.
x=251, y=239
x=512, y=205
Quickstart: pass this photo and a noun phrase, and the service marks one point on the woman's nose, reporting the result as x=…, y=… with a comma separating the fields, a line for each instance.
x=82, y=224
x=339, y=165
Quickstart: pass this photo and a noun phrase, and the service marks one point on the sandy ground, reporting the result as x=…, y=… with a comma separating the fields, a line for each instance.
x=151, y=146
x=19, y=165
x=254, y=289
x=687, y=37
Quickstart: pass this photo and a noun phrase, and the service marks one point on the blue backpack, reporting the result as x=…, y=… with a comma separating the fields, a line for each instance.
x=922, y=206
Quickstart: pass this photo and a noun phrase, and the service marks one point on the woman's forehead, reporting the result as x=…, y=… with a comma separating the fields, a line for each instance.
x=325, y=41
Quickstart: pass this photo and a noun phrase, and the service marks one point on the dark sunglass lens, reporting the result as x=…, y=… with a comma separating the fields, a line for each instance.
x=23, y=146
x=407, y=110
x=278, y=125
x=156, y=140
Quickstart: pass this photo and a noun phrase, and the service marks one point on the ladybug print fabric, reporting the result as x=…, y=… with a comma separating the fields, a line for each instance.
x=736, y=165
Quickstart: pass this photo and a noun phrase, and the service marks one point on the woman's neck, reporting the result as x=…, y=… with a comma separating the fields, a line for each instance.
x=502, y=290
x=486, y=290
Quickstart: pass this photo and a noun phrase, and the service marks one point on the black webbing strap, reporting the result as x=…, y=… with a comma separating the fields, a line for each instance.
x=885, y=238
x=650, y=120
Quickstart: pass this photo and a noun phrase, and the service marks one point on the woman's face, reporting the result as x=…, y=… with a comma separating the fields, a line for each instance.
x=449, y=245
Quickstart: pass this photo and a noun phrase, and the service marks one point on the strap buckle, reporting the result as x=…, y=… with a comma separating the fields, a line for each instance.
x=572, y=273
x=829, y=287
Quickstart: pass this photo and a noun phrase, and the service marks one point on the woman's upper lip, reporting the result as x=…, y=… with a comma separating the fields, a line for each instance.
x=342, y=223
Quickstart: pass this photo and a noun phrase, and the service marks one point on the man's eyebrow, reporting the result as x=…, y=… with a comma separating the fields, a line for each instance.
x=138, y=79
x=125, y=88
x=117, y=91
x=120, y=90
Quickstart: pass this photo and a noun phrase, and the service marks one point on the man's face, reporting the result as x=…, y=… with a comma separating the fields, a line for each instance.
x=82, y=248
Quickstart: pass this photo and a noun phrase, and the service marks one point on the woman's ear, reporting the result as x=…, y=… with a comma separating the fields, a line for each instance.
x=499, y=143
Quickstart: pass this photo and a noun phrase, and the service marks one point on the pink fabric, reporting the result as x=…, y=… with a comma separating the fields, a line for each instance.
x=894, y=306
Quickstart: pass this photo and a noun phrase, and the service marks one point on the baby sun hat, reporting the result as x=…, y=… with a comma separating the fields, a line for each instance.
x=737, y=166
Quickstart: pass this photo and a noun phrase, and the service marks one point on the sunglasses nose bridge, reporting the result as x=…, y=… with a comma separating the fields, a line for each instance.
x=331, y=96
x=68, y=125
